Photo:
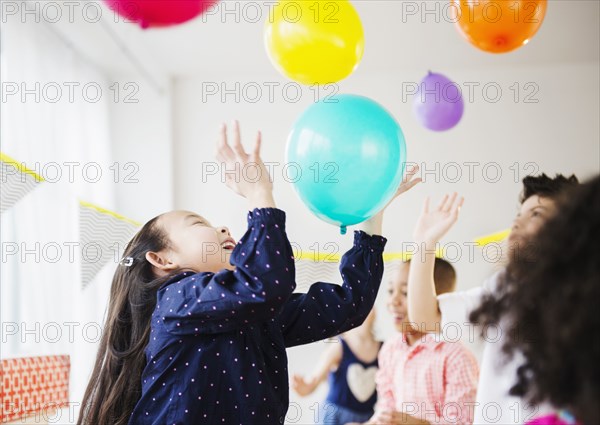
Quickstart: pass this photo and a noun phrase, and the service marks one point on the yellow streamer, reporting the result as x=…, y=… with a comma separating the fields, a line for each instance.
x=108, y=212
x=21, y=167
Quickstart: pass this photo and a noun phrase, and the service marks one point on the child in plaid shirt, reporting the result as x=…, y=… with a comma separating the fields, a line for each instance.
x=422, y=379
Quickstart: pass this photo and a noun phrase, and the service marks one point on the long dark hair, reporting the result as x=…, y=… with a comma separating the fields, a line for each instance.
x=115, y=384
x=549, y=301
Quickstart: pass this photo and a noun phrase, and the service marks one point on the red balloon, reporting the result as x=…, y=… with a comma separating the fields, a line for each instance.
x=159, y=13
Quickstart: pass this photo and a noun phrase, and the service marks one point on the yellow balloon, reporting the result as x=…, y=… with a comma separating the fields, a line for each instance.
x=314, y=41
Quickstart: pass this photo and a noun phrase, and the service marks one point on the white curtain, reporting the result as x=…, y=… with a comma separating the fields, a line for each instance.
x=44, y=309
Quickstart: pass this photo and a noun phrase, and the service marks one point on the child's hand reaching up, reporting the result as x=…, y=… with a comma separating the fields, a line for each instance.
x=433, y=225
x=245, y=173
x=374, y=225
x=408, y=182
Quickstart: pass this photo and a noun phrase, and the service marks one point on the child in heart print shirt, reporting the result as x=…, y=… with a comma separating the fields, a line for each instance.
x=350, y=364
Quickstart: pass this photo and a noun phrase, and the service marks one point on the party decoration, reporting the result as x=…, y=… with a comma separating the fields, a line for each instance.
x=17, y=181
x=314, y=42
x=498, y=26
x=345, y=157
x=313, y=266
x=34, y=388
x=159, y=13
x=438, y=103
x=103, y=235
x=493, y=238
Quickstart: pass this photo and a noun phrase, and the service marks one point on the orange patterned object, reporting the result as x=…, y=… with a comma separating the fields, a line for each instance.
x=33, y=385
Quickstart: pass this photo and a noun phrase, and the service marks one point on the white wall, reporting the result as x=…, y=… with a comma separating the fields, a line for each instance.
x=559, y=133
x=141, y=135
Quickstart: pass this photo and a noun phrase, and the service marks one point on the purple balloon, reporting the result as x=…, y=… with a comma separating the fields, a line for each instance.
x=438, y=103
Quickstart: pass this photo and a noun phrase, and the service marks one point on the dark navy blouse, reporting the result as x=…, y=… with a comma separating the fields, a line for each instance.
x=216, y=352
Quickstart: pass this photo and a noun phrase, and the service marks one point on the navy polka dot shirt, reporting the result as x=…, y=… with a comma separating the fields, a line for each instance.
x=216, y=353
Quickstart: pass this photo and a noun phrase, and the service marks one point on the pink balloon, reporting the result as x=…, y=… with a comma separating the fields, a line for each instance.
x=159, y=13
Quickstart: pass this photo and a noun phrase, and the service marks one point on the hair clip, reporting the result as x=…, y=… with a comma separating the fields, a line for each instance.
x=127, y=261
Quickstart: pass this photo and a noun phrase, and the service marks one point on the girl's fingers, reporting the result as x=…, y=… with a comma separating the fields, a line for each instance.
x=223, y=147
x=221, y=141
x=456, y=208
x=442, y=202
x=410, y=184
x=257, y=145
x=237, y=140
x=220, y=156
x=236, y=131
x=411, y=170
x=449, y=202
x=426, y=206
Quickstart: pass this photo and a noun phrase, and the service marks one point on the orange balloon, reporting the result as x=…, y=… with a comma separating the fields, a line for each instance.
x=498, y=26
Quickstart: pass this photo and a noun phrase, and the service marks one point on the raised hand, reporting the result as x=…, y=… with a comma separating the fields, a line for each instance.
x=245, y=173
x=408, y=182
x=434, y=224
x=373, y=226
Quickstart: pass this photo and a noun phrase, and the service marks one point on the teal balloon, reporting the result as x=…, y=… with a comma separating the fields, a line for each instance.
x=346, y=158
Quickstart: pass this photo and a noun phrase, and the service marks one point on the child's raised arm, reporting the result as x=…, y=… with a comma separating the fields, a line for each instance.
x=431, y=227
x=374, y=225
x=264, y=275
x=236, y=161
x=328, y=309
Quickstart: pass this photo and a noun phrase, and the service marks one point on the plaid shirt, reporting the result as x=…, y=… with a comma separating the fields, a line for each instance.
x=432, y=380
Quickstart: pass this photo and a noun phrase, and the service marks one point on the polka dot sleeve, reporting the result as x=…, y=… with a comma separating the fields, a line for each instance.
x=263, y=280
x=328, y=309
